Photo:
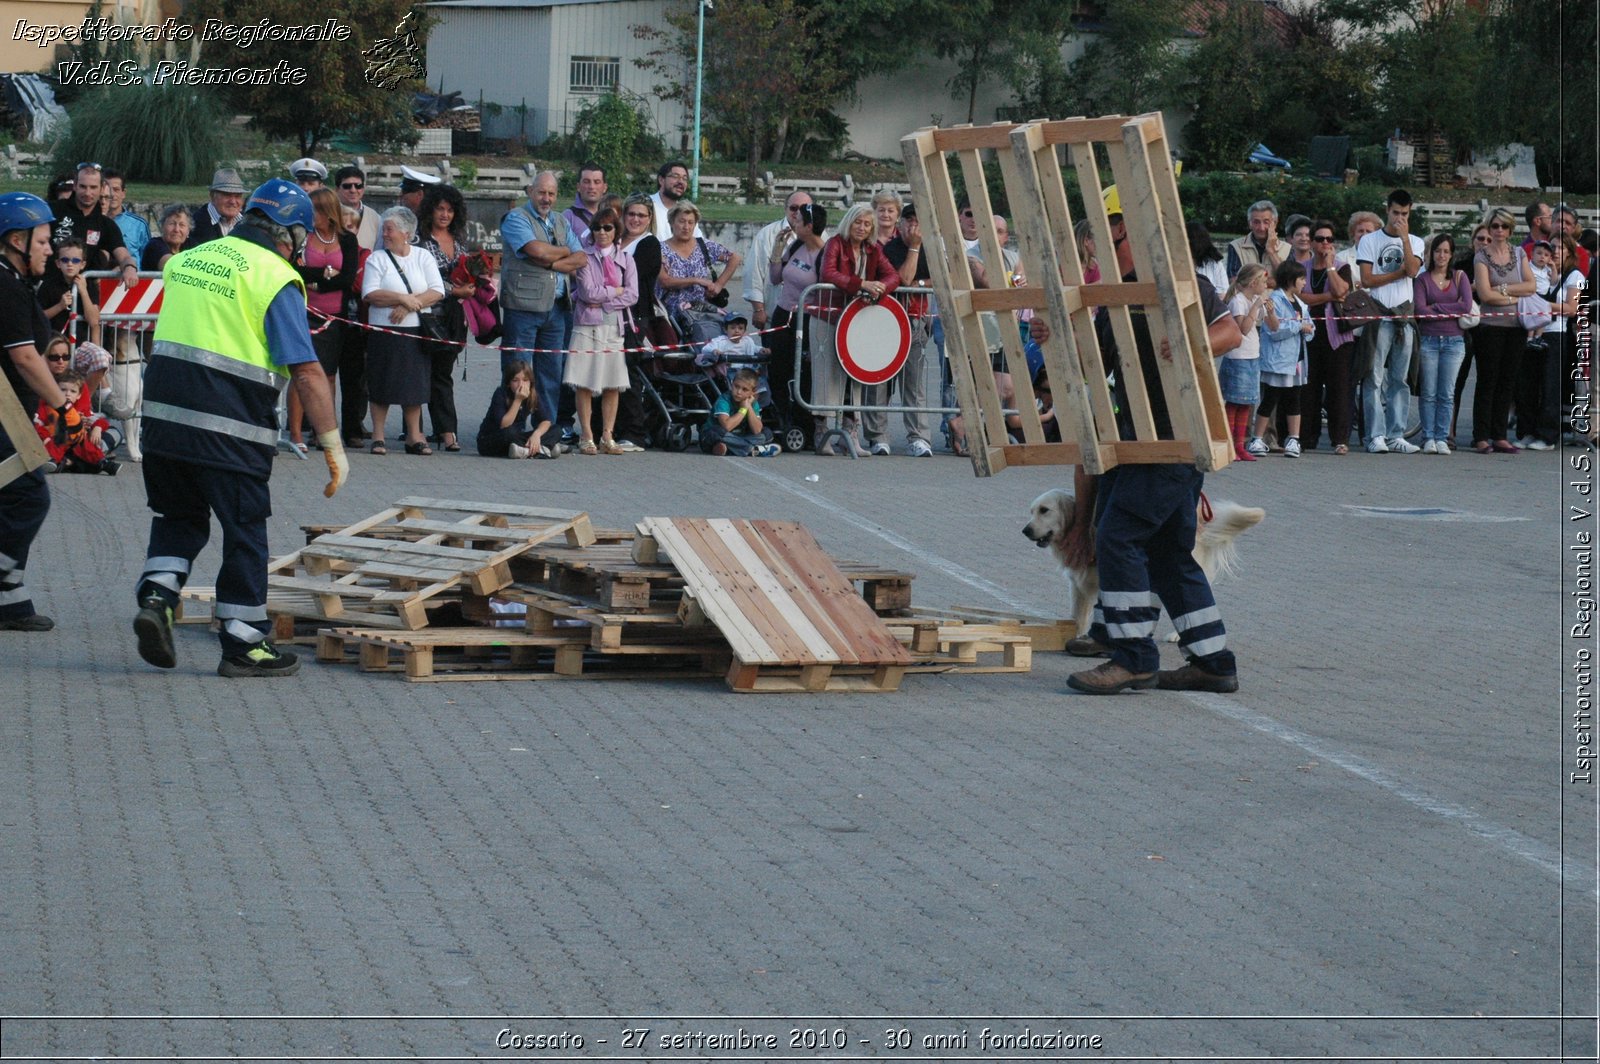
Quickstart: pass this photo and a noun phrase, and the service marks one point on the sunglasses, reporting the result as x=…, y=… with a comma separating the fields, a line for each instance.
x=91, y=166
x=605, y=228
x=58, y=358
x=68, y=261
x=638, y=216
x=1322, y=240
x=352, y=184
x=1481, y=238
x=1499, y=225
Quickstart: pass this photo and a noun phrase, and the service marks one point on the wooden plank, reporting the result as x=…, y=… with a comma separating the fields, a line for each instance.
x=745, y=581
x=818, y=638
x=837, y=594
x=747, y=645
x=459, y=506
x=18, y=426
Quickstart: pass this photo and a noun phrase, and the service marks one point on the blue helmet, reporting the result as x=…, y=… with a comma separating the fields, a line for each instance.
x=284, y=203
x=23, y=210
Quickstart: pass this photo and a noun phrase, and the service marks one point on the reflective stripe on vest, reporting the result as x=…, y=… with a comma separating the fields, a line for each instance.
x=212, y=389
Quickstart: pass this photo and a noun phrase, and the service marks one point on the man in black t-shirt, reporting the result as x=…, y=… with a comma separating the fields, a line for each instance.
x=81, y=217
x=24, y=334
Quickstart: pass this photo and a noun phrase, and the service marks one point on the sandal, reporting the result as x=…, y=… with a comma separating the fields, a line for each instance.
x=1482, y=447
x=1506, y=447
x=588, y=447
x=609, y=446
x=1341, y=449
x=379, y=448
x=420, y=447
x=453, y=445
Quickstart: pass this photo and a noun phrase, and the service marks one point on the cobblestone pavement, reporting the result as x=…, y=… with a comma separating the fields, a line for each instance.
x=1371, y=851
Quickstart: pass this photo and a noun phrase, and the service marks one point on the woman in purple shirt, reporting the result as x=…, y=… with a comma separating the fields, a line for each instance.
x=1441, y=294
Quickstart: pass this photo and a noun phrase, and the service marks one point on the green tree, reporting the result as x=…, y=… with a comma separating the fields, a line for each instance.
x=1006, y=41
x=767, y=62
x=343, y=90
x=1430, y=77
x=1128, y=68
x=1555, y=110
x=1227, y=79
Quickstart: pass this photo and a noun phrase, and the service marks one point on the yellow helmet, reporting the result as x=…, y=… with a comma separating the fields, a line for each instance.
x=1112, y=201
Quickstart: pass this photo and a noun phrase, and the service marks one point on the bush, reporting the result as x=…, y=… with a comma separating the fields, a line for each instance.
x=157, y=134
x=615, y=133
x=1221, y=200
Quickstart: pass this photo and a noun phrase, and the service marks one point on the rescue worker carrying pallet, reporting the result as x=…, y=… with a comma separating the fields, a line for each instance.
x=231, y=335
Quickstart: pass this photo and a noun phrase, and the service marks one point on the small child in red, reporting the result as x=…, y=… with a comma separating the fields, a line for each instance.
x=82, y=448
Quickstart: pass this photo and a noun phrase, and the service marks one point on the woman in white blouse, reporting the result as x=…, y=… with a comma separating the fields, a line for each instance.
x=400, y=282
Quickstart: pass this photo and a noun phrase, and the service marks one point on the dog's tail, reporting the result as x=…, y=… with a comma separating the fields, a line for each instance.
x=1228, y=521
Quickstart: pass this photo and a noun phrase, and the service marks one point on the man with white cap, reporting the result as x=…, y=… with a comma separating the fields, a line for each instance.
x=309, y=174
x=413, y=183
x=218, y=217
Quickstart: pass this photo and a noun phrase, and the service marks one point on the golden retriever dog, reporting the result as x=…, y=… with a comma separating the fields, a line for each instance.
x=1219, y=525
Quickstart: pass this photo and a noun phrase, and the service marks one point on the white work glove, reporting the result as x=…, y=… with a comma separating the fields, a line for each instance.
x=338, y=464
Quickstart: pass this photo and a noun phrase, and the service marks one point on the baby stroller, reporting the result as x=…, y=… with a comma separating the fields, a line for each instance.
x=677, y=394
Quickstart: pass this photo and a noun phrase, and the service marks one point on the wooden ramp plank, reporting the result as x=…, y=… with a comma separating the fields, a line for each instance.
x=778, y=599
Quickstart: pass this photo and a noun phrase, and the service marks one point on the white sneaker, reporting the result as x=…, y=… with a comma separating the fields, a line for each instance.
x=629, y=447
x=1291, y=447
x=919, y=449
x=1440, y=447
x=1401, y=445
x=1257, y=446
x=1429, y=447
x=767, y=450
x=1536, y=444
x=1377, y=446
x=518, y=451
x=880, y=447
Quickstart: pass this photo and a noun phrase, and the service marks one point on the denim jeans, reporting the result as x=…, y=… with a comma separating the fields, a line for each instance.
x=542, y=330
x=1387, y=402
x=1441, y=361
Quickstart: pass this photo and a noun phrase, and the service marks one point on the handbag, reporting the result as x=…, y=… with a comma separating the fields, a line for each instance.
x=432, y=326
x=1533, y=312
x=721, y=298
x=1357, y=305
x=1470, y=321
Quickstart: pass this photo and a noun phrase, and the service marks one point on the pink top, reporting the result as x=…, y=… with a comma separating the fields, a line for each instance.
x=317, y=255
x=1429, y=300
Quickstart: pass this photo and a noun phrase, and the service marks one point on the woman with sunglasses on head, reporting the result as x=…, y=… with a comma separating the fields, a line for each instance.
x=605, y=290
x=795, y=270
x=1502, y=275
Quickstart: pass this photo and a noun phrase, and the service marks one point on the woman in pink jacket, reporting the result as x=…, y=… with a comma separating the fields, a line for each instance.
x=604, y=292
x=855, y=265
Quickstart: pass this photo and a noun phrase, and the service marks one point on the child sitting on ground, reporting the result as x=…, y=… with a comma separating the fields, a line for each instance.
x=735, y=425
x=79, y=445
x=507, y=430
x=732, y=346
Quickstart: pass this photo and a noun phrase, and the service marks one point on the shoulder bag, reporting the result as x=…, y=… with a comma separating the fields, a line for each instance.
x=721, y=298
x=432, y=326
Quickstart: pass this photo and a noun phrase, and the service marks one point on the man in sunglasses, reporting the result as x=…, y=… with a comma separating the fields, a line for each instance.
x=351, y=185
x=81, y=218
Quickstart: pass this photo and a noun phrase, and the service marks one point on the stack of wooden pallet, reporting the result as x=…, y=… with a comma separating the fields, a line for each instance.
x=437, y=590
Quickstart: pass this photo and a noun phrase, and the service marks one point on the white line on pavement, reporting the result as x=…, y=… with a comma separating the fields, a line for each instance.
x=943, y=565
x=1545, y=858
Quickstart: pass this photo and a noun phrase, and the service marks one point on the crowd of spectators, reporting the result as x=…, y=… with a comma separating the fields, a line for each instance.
x=1358, y=333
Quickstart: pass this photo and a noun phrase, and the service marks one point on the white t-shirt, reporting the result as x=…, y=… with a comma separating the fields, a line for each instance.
x=1239, y=306
x=421, y=272
x=1572, y=283
x=1386, y=255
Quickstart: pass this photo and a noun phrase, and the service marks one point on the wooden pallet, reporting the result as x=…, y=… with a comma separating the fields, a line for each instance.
x=18, y=425
x=792, y=621
x=1166, y=289
x=447, y=654
x=1046, y=634
x=448, y=547
x=958, y=647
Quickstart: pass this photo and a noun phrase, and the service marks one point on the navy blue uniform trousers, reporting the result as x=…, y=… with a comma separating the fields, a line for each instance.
x=1144, y=540
x=23, y=505
x=183, y=496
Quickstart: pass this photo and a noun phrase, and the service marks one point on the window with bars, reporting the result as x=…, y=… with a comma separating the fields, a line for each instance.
x=595, y=73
